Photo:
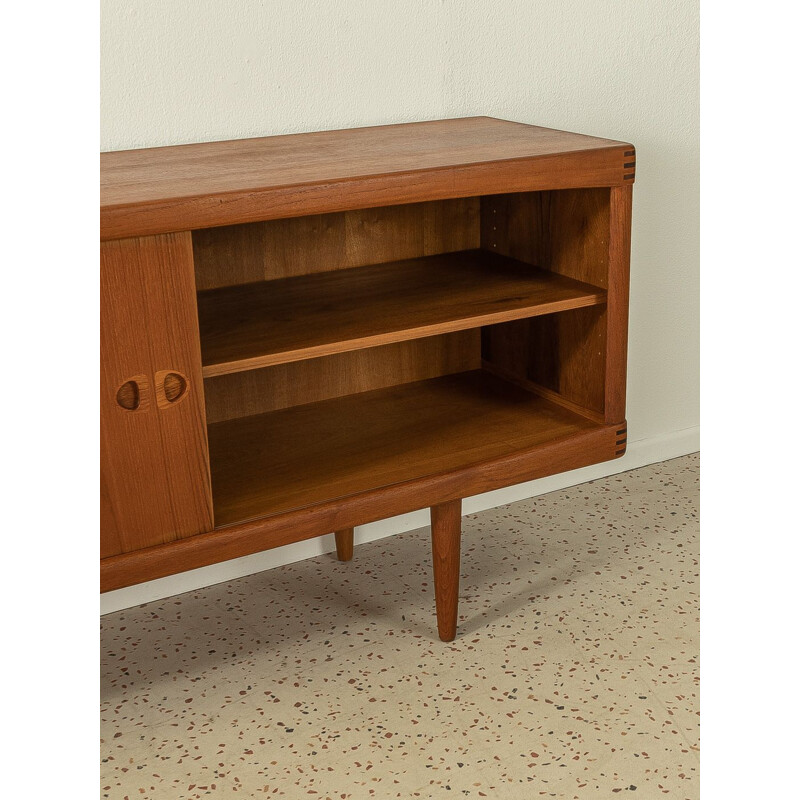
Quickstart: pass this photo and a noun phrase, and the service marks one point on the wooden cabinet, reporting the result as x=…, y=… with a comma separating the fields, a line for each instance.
x=305, y=333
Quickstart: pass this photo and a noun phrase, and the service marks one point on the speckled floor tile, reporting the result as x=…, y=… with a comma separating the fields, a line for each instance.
x=574, y=674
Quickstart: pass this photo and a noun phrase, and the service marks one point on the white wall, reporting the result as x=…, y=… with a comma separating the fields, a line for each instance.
x=198, y=70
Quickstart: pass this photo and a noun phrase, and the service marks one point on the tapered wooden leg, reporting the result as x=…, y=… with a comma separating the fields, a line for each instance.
x=344, y=544
x=446, y=541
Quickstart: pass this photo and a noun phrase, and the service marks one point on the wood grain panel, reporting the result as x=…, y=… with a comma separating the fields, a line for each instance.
x=452, y=225
x=565, y=231
x=578, y=222
x=378, y=235
x=155, y=482
x=562, y=353
x=568, y=233
x=237, y=254
x=265, y=250
x=181, y=188
x=618, y=293
x=286, y=248
x=517, y=225
x=567, y=355
x=242, y=394
x=257, y=325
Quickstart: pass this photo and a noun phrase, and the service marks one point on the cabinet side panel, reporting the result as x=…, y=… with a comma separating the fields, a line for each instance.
x=563, y=354
x=155, y=480
x=618, y=299
x=567, y=355
x=578, y=225
x=566, y=232
x=578, y=247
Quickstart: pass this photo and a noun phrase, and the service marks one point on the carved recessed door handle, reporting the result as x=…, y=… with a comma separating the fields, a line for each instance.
x=171, y=388
x=134, y=394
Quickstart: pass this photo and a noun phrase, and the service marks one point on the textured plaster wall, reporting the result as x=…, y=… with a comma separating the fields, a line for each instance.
x=197, y=70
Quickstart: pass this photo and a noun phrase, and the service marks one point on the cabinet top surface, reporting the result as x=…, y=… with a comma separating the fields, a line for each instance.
x=163, y=178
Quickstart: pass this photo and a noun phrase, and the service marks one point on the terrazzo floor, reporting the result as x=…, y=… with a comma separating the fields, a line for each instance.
x=574, y=673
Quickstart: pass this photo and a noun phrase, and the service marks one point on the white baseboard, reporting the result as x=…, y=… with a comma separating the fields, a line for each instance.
x=640, y=453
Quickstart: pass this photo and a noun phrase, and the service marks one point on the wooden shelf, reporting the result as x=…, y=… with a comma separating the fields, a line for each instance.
x=305, y=455
x=274, y=322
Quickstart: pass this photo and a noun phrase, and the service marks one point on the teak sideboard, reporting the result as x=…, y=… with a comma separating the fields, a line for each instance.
x=305, y=333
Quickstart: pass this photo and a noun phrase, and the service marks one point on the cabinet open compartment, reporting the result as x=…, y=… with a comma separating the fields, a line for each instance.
x=383, y=346
x=300, y=456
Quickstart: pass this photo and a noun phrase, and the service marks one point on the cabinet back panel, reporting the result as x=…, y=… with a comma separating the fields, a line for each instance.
x=286, y=248
x=242, y=394
x=515, y=225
